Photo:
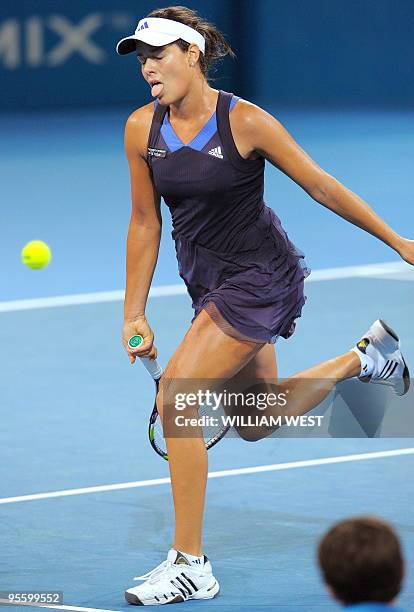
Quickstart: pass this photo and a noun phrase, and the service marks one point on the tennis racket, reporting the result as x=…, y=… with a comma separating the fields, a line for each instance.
x=212, y=434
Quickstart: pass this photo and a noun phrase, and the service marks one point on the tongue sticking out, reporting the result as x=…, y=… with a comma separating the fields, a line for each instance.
x=156, y=90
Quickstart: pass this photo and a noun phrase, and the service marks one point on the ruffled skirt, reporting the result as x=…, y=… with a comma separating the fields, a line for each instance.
x=255, y=294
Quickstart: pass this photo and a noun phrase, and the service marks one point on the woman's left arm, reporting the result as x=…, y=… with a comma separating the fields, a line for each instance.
x=268, y=137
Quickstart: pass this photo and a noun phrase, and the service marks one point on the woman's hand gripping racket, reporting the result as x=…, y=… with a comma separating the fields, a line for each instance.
x=212, y=433
x=155, y=433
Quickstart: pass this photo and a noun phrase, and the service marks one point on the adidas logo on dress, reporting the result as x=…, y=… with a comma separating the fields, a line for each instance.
x=216, y=152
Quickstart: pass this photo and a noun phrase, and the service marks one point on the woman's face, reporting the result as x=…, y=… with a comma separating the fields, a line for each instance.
x=167, y=71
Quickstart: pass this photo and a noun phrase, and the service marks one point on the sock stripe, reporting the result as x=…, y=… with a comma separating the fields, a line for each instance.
x=367, y=363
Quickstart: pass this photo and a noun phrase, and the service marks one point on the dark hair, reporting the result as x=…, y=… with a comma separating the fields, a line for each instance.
x=216, y=45
x=361, y=560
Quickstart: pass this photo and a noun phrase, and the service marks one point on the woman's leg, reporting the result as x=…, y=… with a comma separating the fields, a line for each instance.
x=205, y=353
x=305, y=389
x=208, y=353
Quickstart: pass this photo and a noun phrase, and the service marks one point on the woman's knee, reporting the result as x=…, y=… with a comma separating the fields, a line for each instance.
x=173, y=394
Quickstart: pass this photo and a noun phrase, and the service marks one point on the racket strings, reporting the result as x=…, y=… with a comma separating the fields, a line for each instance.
x=182, y=420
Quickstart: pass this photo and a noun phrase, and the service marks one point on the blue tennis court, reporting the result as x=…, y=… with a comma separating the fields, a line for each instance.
x=85, y=503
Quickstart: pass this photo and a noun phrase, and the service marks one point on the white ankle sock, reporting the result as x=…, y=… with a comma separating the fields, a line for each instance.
x=367, y=363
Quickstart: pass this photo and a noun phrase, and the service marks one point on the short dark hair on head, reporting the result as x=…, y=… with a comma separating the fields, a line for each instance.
x=216, y=45
x=361, y=560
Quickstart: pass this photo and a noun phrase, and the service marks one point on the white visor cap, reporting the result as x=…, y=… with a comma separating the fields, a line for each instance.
x=157, y=32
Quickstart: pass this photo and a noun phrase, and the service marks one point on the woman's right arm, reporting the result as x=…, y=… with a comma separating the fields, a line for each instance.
x=144, y=234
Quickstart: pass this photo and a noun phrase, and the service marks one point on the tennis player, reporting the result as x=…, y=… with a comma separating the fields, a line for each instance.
x=204, y=150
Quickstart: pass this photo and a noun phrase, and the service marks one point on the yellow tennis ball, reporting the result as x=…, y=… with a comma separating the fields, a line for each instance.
x=36, y=254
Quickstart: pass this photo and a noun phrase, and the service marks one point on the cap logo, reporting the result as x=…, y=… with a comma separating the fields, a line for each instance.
x=143, y=26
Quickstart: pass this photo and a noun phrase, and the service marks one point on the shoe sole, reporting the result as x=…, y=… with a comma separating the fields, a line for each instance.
x=406, y=372
x=206, y=593
x=133, y=599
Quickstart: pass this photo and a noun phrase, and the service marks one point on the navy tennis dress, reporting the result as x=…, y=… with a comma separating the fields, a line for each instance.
x=233, y=254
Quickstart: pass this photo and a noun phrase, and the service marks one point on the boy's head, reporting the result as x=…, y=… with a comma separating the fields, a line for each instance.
x=361, y=561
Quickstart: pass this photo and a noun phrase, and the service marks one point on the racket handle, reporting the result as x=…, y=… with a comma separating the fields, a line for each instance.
x=152, y=366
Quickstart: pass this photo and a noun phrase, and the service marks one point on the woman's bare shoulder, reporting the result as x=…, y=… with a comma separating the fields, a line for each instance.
x=245, y=112
x=138, y=126
x=142, y=115
x=243, y=122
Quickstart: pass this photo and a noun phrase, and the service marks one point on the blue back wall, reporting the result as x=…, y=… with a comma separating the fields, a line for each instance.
x=297, y=53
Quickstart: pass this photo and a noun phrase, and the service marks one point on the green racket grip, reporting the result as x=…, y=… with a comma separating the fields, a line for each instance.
x=151, y=365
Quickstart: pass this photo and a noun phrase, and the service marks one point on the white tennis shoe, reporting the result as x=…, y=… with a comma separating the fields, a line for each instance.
x=381, y=358
x=174, y=581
